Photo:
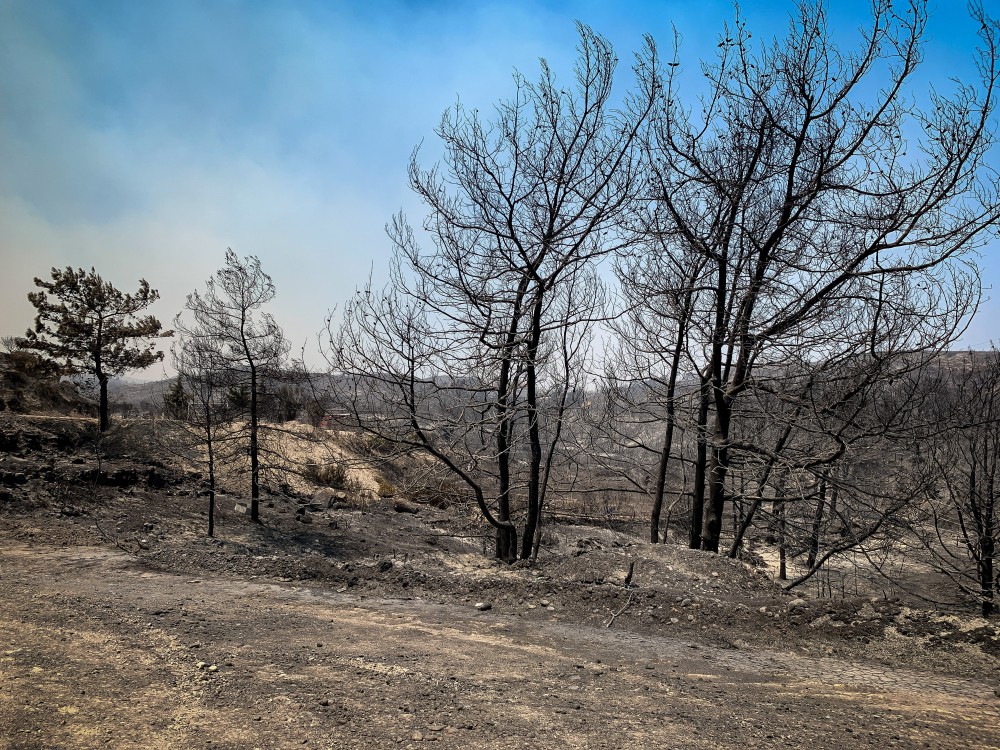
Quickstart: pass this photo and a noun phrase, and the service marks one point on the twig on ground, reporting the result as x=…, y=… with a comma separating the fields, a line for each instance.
x=113, y=538
x=615, y=614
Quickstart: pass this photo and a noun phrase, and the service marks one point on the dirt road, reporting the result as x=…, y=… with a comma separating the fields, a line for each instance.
x=100, y=652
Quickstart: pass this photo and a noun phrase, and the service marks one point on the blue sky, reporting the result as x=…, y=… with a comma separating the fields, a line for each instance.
x=143, y=138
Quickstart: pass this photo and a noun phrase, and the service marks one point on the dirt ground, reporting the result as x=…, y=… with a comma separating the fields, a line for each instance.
x=123, y=626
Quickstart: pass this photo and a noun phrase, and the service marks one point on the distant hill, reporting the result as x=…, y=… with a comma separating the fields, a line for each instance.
x=146, y=396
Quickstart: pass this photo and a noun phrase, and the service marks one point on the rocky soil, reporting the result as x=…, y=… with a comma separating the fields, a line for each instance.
x=335, y=624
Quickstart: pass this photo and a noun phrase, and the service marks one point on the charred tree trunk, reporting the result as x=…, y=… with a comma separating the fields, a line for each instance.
x=718, y=469
x=817, y=525
x=254, y=459
x=211, y=470
x=506, y=538
x=661, y=478
x=104, y=419
x=700, y=470
x=782, y=551
x=668, y=436
x=506, y=541
x=986, y=574
x=534, y=431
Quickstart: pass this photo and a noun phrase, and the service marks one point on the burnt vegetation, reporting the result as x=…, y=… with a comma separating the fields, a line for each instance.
x=715, y=315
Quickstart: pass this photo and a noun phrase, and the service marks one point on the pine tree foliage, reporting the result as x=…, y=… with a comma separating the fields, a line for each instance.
x=176, y=400
x=87, y=326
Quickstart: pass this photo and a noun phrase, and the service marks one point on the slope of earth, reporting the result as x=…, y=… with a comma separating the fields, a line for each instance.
x=27, y=383
x=337, y=627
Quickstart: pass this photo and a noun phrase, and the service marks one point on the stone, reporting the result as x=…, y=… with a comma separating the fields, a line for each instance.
x=404, y=506
x=483, y=606
x=324, y=497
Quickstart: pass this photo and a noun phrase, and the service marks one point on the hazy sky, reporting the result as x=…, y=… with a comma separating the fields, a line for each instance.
x=143, y=138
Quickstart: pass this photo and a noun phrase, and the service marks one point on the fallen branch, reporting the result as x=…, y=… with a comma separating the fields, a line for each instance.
x=113, y=538
x=624, y=607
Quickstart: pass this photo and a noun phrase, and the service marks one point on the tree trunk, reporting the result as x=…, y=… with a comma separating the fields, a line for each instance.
x=782, y=569
x=668, y=435
x=744, y=526
x=254, y=461
x=986, y=575
x=987, y=547
x=506, y=542
x=711, y=532
x=506, y=545
x=104, y=420
x=211, y=471
x=534, y=431
x=700, y=470
x=717, y=470
x=661, y=480
x=718, y=459
x=817, y=525
x=506, y=539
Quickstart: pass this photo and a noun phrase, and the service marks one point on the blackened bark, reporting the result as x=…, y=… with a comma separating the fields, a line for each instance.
x=104, y=420
x=817, y=525
x=534, y=431
x=668, y=436
x=717, y=470
x=661, y=480
x=506, y=537
x=211, y=471
x=782, y=552
x=254, y=460
x=700, y=470
x=986, y=574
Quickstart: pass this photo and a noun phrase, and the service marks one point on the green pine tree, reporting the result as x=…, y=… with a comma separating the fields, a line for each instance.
x=86, y=326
